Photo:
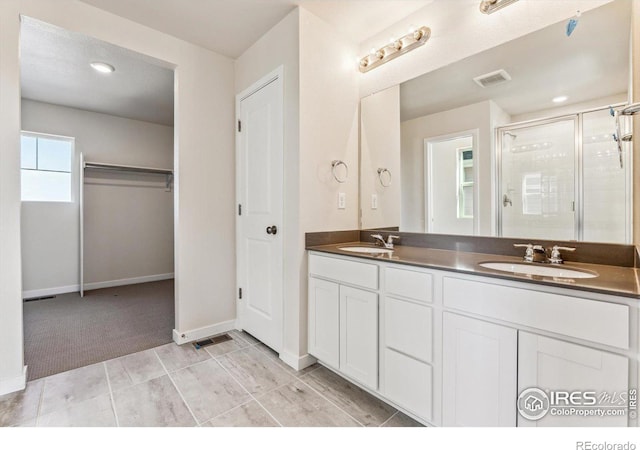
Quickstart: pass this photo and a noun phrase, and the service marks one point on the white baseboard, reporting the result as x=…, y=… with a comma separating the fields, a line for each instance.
x=182, y=337
x=126, y=281
x=297, y=362
x=14, y=384
x=50, y=291
x=97, y=285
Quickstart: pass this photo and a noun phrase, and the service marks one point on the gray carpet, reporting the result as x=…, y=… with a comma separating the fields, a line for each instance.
x=68, y=332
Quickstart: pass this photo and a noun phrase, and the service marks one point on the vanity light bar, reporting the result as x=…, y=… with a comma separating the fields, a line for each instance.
x=491, y=6
x=397, y=47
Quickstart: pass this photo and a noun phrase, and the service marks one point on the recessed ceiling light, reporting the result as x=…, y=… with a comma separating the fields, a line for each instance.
x=102, y=67
x=560, y=99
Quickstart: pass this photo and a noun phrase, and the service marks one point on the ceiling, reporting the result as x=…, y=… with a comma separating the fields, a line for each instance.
x=55, y=62
x=54, y=68
x=592, y=63
x=229, y=27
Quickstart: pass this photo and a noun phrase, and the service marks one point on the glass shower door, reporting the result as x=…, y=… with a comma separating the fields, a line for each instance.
x=538, y=181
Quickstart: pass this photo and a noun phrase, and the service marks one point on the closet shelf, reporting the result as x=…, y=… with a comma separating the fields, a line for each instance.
x=107, y=166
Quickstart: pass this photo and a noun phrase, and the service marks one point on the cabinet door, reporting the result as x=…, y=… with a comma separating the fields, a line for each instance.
x=479, y=372
x=324, y=328
x=554, y=365
x=359, y=335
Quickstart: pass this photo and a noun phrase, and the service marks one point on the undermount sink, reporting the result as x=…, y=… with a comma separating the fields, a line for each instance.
x=368, y=250
x=539, y=270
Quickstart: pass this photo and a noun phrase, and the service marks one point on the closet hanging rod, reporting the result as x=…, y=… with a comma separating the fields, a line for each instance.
x=105, y=166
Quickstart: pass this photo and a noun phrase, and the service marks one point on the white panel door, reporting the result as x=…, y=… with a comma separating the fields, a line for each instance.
x=359, y=335
x=324, y=321
x=260, y=198
x=553, y=365
x=479, y=373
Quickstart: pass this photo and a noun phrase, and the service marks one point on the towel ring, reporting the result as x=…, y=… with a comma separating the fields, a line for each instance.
x=382, y=177
x=336, y=163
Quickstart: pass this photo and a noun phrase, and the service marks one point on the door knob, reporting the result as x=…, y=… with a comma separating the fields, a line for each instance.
x=272, y=230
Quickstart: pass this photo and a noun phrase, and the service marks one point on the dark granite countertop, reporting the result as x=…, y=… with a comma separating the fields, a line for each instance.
x=612, y=280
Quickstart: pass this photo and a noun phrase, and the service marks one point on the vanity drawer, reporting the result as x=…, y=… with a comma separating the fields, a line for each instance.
x=408, y=328
x=409, y=284
x=344, y=271
x=592, y=320
x=409, y=383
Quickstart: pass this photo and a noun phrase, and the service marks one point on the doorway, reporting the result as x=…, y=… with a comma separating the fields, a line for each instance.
x=82, y=96
x=260, y=190
x=450, y=183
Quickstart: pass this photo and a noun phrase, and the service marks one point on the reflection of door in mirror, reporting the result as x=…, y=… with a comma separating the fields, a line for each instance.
x=449, y=183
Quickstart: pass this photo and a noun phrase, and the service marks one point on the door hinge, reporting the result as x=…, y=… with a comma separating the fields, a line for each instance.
x=240, y=293
x=239, y=126
x=239, y=209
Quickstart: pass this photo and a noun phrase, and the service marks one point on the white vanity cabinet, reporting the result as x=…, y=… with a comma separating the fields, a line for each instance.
x=457, y=349
x=479, y=372
x=555, y=365
x=407, y=340
x=324, y=321
x=343, y=318
x=474, y=358
x=359, y=335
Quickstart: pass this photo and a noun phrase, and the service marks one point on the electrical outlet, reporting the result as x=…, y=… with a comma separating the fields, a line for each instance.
x=374, y=201
x=342, y=200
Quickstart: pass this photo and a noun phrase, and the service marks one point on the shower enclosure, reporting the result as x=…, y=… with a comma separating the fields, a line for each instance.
x=564, y=179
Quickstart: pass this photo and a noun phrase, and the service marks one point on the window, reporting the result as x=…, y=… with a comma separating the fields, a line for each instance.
x=46, y=168
x=465, y=183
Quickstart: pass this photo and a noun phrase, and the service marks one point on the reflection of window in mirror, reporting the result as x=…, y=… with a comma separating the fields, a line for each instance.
x=539, y=194
x=465, y=183
x=532, y=194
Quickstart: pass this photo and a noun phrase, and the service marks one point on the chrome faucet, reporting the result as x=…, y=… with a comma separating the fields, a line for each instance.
x=534, y=253
x=386, y=244
x=556, y=257
x=537, y=253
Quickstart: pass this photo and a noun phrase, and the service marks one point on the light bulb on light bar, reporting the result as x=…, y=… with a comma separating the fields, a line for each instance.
x=102, y=67
x=491, y=6
x=415, y=38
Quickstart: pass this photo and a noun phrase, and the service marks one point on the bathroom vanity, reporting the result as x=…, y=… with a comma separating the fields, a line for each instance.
x=453, y=343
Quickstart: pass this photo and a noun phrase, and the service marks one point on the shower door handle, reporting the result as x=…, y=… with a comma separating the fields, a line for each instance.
x=506, y=201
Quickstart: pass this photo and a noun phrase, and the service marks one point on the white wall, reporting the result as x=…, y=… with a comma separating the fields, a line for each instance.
x=460, y=30
x=329, y=122
x=280, y=47
x=477, y=116
x=380, y=148
x=203, y=160
x=128, y=219
x=321, y=124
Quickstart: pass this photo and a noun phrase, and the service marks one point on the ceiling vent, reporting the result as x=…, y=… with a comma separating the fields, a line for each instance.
x=492, y=78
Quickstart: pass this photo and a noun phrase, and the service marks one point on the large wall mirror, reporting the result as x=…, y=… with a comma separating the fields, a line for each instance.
x=516, y=141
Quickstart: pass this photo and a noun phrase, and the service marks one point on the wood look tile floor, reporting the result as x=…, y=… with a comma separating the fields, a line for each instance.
x=238, y=383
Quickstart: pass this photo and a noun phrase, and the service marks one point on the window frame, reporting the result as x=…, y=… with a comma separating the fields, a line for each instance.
x=73, y=174
x=461, y=165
